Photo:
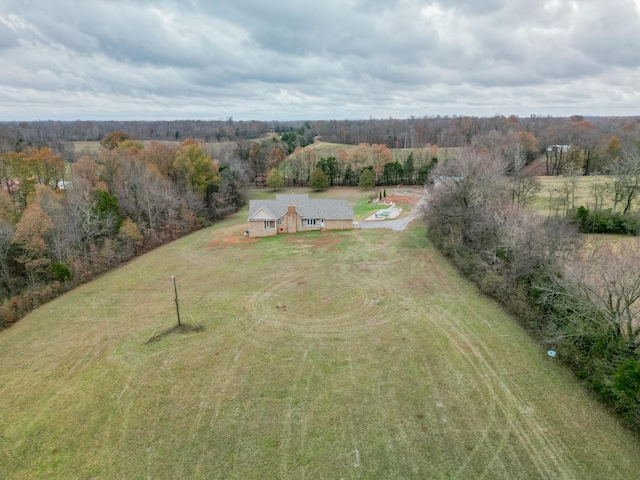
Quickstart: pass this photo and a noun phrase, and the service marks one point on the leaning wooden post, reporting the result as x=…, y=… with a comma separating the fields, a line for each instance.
x=175, y=289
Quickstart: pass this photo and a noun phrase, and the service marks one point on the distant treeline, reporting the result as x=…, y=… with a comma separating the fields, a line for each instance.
x=415, y=132
x=567, y=145
x=49, y=131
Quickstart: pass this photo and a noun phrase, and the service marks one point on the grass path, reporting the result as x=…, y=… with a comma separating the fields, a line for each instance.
x=357, y=354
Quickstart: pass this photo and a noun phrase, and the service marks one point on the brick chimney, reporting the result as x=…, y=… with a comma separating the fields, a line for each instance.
x=291, y=209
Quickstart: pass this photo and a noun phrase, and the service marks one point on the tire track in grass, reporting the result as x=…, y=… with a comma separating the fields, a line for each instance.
x=351, y=307
x=555, y=450
x=285, y=442
x=353, y=458
x=426, y=269
x=491, y=424
x=546, y=455
x=411, y=451
x=464, y=340
x=507, y=403
x=215, y=396
x=463, y=348
x=222, y=393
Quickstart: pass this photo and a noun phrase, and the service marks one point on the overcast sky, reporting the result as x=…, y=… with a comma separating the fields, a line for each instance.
x=326, y=59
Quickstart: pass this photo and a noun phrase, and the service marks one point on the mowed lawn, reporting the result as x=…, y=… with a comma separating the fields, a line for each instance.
x=357, y=354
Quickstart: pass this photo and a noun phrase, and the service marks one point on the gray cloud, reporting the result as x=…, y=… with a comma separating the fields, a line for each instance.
x=64, y=59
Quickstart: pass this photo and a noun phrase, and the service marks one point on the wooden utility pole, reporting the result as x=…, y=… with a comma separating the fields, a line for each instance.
x=175, y=289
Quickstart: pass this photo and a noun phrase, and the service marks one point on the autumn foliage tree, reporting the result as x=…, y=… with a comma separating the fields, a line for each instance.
x=29, y=237
x=195, y=169
x=46, y=167
x=20, y=172
x=112, y=140
x=117, y=203
x=275, y=179
x=276, y=157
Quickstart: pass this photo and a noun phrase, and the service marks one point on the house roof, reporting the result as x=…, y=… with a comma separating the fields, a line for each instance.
x=305, y=206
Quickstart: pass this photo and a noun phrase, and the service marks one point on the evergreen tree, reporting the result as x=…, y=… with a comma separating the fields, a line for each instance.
x=367, y=179
x=318, y=180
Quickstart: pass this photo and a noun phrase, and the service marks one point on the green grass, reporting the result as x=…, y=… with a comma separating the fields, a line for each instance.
x=363, y=209
x=355, y=354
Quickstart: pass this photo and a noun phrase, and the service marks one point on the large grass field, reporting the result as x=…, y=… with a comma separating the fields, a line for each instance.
x=357, y=354
x=551, y=186
x=327, y=149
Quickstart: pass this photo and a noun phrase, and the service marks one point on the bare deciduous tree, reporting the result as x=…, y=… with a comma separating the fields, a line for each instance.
x=626, y=180
x=525, y=184
x=609, y=279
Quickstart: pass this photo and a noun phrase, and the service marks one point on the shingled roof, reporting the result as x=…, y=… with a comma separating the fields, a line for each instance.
x=306, y=207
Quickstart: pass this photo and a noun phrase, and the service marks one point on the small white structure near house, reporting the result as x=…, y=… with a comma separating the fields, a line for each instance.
x=558, y=148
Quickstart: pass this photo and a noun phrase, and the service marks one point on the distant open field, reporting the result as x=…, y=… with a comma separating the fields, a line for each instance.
x=583, y=193
x=356, y=354
x=326, y=149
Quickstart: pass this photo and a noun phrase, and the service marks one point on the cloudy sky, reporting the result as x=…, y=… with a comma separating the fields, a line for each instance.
x=326, y=59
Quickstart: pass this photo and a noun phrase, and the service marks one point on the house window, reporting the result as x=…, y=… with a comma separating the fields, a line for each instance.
x=309, y=222
x=279, y=222
x=269, y=224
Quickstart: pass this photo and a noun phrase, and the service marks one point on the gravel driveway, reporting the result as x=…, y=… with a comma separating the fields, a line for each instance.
x=396, y=225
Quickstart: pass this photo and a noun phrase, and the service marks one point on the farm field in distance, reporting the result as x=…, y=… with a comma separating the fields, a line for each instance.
x=355, y=354
x=553, y=185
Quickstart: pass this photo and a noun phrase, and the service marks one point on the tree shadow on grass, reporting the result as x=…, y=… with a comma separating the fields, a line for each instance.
x=176, y=329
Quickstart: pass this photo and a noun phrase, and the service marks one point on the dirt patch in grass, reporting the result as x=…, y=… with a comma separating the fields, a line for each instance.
x=228, y=237
x=406, y=199
x=176, y=329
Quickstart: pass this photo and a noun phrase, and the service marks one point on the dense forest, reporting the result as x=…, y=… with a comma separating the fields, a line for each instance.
x=63, y=223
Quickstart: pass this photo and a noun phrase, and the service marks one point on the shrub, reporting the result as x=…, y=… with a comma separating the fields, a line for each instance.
x=59, y=272
x=626, y=380
x=605, y=221
x=626, y=388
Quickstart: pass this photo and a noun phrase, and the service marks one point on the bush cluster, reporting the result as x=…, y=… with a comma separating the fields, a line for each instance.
x=606, y=221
